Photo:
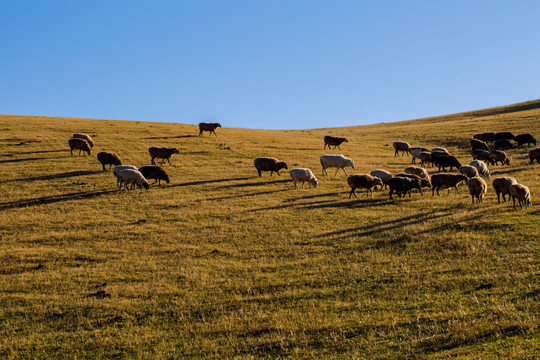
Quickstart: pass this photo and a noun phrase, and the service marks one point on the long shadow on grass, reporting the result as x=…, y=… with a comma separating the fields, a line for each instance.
x=54, y=176
x=170, y=137
x=387, y=225
x=203, y=182
x=35, y=152
x=249, y=184
x=325, y=204
x=243, y=195
x=53, y=199
x=21, y=160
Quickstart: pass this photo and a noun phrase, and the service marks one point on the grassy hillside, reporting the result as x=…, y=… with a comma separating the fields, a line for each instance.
x=223, y=264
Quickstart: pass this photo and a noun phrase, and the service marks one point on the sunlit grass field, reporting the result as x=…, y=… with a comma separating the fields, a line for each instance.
x=221, y=263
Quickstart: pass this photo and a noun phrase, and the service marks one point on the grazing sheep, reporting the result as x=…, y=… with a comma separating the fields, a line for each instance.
x=401, y=146
x=482, y=155
x=383, y=175
x=503, y=136
x=487, y=136
x=534, y=154
x=502, y=186
x=269, y=164
x=303, y=175
x=525, y=139
x=162, y=153
x=477, y=188
x=119, y=168
x=210, y=127
x=479, y=144
x=130, y=176
x=156, y=173
x=415, y=151
x=469, y=171
x=423, y=182
x=437, y=153
x=440, y=149
x=108, y=158
x=425, y=157
x=403, y=185
x=503, y=145
x=499, y=155
x=363, y=181
x=417, y=171
x=333, y=141
x=522, y=193
x=447, y=161
x=80, y=144
x=337, y=161
x=84, y=137
x=446, y=180
x=481, y=167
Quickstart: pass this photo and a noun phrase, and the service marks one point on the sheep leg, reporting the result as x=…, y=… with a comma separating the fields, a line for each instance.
x=71, y=151
x=200, y=132
x=259, y=171
x=353, y=193
x=295, y=186
x=344, y=171
x=153, y=162
x=457, y=189
x=169, y=161
x=391, y=191
x=303, y=184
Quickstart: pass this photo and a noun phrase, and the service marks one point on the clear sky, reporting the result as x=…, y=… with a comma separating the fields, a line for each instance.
x=270, y=64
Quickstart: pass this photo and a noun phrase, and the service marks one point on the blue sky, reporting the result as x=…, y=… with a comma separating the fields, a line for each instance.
x=266, y=64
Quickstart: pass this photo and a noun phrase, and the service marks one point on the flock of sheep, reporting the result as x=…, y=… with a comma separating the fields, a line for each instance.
x=412, y=177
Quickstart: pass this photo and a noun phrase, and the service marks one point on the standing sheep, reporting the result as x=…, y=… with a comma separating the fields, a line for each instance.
x=337, y=161
x=79, y=144
x=269, y=164
x=383, y=175
x=487, y=136
x=108, y=158
x=303, y=175
x=210, y=127
x=479, y=144
x=501, y=185
x=481, y=167
x=469, y=171
x=363, y=181
x=499, y=155
x=333, y=141
x=84, y=137
x=130, y=176
x=525, y=139
x=162, y=153
x=415, y=151
x=483, y=155
x=417, y=171
x=505, y=135
x=534, y=154
x=447, y=161
x=522, y=193
x=402, y=146
x=425, y=157
x=503, y=145
x=477, y=188
x=402, y=186
x=446, y=180
x=119, y=168
x=156, y=173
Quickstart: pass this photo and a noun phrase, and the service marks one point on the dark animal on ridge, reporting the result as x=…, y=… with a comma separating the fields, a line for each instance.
x=333, y=141
x=162, y=153
x=108, y=158
x=210, y=127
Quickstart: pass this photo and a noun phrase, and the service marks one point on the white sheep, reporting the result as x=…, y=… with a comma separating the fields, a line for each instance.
x=481, y=167
x=337, y=161
x=119, y=168
x=415, y=151
x=303, y=175
x=130, y=176
x=440, y=149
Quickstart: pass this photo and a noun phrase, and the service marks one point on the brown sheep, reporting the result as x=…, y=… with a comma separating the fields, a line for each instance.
x=156, y=173
x=481, y=155
x=425, y=157
x=401, y=146
x=417, y=171
x=522, y=193
x=469, y=171
x=269, y=164
x=162, y=153
x=423, y=182
x=487, y=136
x=210, y=127
x=501, y=185
x=525, y=139
x=383, y=175
x=446, y=180
x=108, y=158
x=80, y=144
x=534, y=154
x=499, y=155
x=363, y=181
x=403, y=185
x=333, y=141
x=477, y=188
x=479, y=144
x=84, y=137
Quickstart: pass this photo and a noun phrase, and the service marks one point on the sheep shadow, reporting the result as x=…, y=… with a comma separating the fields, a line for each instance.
x=170, y=137
x=250, y=184
x=243, y=195
x=34, y=152
x=55, y=176
x=204, y=182
x=21, y=160
x=53, y=199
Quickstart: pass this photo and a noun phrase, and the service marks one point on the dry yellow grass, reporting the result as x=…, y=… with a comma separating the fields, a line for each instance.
x=224, y=264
